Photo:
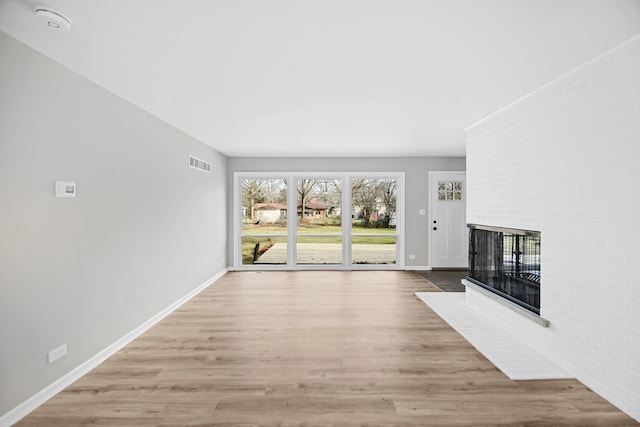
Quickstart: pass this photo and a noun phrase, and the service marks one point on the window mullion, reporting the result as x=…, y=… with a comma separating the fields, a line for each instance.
x=346, y=222
x=292, y=220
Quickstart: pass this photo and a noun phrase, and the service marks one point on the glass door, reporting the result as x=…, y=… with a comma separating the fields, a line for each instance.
x=319, y=227
x=264, y=221
x=296, y=220
x=374, y=221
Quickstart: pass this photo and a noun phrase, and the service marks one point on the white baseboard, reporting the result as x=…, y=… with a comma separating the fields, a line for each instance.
x=418, y=267
x=29, y=405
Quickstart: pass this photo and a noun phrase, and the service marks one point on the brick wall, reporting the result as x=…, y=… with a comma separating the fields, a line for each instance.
x=565, y=160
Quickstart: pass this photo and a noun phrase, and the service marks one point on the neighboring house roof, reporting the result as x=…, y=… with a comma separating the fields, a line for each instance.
x=315, y=205
x=281, y=206
x=270, y=206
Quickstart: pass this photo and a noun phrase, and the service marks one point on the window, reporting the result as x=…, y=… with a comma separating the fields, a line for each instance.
x=342, y=220
x=373, y=225
x=319, y=229
x=450, y=190
x=263, y=221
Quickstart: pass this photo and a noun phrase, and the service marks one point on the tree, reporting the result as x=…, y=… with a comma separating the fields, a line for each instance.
x=329, y=191
x=325, y=191
x=337, y=185
x=305, y=187
x=273, y=189
x=374, y=196
x=252, y=193
x=281, y=197
x=388, y=197
x=363, y=193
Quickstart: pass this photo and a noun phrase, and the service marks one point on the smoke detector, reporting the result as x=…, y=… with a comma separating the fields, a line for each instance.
x=52, y=19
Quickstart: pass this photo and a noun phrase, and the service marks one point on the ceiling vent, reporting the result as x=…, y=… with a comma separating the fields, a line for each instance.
x=196, y=163
x=52, y=19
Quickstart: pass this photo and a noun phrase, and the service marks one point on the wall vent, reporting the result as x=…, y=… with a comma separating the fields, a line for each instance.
x=196, y=163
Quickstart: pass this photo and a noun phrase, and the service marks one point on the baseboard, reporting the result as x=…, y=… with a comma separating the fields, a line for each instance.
x=29, y=405
x=417, y=267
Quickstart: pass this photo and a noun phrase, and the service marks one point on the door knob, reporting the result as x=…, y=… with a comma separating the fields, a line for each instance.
x=435, y=228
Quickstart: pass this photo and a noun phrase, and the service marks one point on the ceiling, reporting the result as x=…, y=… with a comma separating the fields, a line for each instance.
x=324, y=77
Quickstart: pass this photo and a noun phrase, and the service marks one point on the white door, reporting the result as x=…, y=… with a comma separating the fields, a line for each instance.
x=448, y=222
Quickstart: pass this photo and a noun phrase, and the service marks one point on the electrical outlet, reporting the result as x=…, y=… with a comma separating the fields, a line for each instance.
x=412, y=257
x=57, y=353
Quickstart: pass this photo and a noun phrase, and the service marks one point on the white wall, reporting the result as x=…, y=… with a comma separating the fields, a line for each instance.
x=564, y=161
x=416, y=171
x=144, y=230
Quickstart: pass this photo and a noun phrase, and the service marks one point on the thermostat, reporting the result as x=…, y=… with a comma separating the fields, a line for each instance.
x=65, y=189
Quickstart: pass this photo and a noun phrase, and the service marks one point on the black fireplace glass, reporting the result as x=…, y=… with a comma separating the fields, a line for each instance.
x=507, y=262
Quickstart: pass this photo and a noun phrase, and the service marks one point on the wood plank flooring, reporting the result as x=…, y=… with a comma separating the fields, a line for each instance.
x=313, y=348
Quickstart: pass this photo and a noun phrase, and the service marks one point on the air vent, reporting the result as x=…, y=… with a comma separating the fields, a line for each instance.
x=196, y=163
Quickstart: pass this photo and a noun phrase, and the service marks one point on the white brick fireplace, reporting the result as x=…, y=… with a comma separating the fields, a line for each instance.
x=565, y=160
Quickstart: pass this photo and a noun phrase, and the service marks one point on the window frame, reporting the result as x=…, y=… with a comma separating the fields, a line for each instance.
x=346, y=220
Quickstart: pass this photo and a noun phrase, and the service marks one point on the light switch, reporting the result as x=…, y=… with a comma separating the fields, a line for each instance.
x=422, y=212
x=65, y=189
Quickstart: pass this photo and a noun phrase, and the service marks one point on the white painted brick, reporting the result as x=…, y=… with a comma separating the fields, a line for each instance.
x=565, y=161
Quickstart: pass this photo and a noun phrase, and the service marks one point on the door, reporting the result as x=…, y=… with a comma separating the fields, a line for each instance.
x=448, y=226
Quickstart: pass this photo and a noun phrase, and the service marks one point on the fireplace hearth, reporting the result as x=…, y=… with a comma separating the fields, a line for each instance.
x=506, y=261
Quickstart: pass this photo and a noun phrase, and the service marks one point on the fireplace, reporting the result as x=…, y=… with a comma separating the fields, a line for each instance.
x=506, y=261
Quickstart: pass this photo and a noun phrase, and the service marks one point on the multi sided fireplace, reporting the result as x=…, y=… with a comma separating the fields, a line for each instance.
x=507, y=262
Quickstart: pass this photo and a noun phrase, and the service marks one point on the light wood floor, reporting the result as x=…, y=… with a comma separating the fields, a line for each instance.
x=313, y=349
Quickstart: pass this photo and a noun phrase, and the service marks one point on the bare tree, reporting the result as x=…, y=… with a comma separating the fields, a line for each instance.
x=252, y=193
x=273, y=189
x=337, y=186
x=325, y=191
x=387, y=193
x=281, y=197
x=305, y=187
x=363, y=193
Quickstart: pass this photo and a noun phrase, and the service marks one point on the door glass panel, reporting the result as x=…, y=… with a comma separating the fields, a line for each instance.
x=264, y=221
x=318, y=250
x=450, y=190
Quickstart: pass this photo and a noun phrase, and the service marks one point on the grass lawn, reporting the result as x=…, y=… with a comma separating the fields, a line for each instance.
x=249, y=244
x=333, y=236
x=314, y=229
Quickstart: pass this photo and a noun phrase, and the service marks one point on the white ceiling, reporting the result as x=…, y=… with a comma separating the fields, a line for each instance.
x=324, y=77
